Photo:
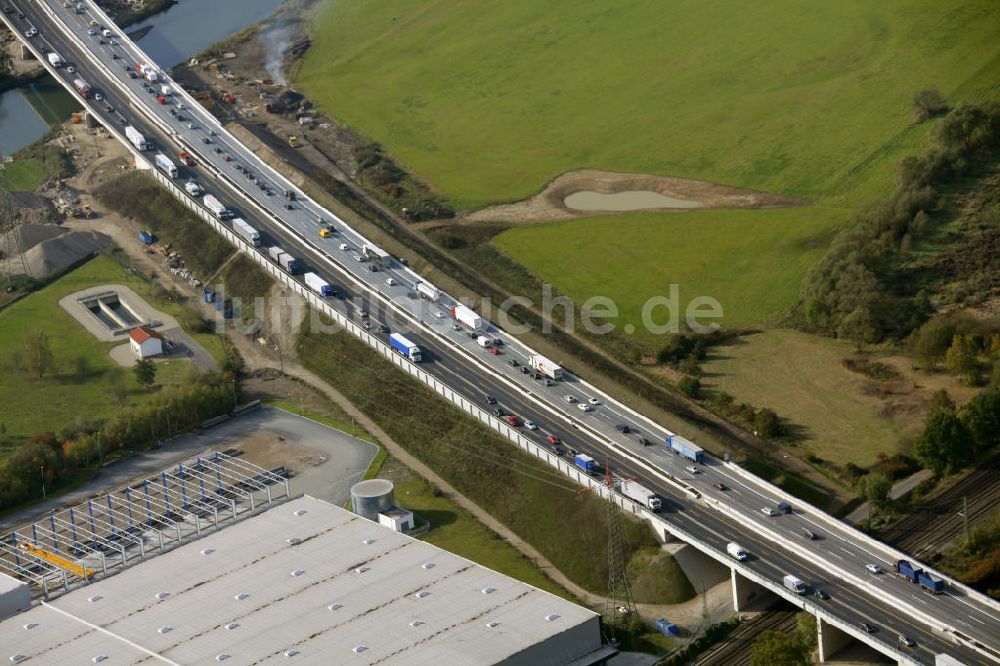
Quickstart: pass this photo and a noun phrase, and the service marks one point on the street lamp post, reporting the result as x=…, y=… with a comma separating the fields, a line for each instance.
x=44, y=497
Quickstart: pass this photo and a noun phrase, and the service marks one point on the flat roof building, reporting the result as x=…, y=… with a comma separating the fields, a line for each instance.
x=310, y=581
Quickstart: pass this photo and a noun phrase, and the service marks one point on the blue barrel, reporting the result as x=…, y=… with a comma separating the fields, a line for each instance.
x=209, y=295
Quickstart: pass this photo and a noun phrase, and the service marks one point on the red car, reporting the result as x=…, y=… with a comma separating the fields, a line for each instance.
x=552, y=439
x=494, y=351
x=514, y=421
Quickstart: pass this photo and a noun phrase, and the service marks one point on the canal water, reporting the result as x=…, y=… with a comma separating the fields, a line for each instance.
x=184, y=30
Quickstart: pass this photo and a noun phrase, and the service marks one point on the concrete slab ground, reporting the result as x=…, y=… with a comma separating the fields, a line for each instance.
x=185, y=346
x=325, y=461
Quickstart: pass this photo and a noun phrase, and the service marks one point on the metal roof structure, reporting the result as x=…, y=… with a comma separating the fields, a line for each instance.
x=311, y=581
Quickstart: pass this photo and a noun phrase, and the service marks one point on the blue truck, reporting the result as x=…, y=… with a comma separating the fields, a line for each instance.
x=930, y=583
x=907, y=570
x=688, y=449
x=586, y=463
x=404, y=347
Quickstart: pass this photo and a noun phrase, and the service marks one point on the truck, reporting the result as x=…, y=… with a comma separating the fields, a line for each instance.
x=637, y=492
x=907, y=570
x=167, y=165
x=136, y=138
x=165, y=90
x=56, y=60
x=287, y=262
x=467, y=317
x=428, y=291
x=82, y=87
x=250, y=234
x=539, y=363
x=484, y=342
x=216, y=207
x=147, y=72
x=318, y=284
x=794, y=584
x=930, y=583
x=686, y=448
x=193, y=188
x=377, y=255
x=185, y=157
x=405, y=347
x=736, y=551
x=586, y=463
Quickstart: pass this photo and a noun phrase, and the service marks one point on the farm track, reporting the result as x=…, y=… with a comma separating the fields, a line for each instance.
x=934, y=524
x=735, y=649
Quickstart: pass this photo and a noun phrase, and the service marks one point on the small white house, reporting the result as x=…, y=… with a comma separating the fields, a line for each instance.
x=398, y=519
x=145, y=342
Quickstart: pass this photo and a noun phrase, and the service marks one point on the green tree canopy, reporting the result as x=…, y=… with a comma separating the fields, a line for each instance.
x=145, y=372
x=774, y=647
x=946, y=443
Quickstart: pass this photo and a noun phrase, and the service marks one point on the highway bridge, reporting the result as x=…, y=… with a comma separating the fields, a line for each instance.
x=707, y=505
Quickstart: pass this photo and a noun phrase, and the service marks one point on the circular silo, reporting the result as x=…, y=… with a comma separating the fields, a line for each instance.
x=369, y=498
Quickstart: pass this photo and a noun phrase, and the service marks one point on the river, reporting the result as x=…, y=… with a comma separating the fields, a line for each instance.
x=184, y=30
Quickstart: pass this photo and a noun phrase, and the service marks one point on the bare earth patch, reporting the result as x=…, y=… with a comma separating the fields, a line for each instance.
x=549, y=204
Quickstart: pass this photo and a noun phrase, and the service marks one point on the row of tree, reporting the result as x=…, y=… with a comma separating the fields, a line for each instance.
x=850, y=292
x=52, y=459
x=955, y=438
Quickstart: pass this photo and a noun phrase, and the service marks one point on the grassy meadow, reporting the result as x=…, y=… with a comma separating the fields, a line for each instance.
x=77, y=388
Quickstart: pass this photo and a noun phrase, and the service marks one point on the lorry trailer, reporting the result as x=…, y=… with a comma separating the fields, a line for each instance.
x=683, y=447
x=318, y=284
x=930, y=583
x=136, y=138
x=167, y=165
x=55, y=59
x=539, y=363
x=405, y=347
x=376, y=255
x=736, y=551
x=907, y=570
x=193, y=188
x=82, y=87
x=794, y=584
x=637, y=492
x=248, y=233
x=430, y=292
x=467, y=317
x=216, y=207
x=586, y=463
x=283, y=259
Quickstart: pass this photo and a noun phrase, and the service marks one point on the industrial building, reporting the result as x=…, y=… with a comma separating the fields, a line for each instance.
x=145, y=342
x=308, y=581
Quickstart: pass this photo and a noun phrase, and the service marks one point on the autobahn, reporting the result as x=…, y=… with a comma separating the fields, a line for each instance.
x=834, y=562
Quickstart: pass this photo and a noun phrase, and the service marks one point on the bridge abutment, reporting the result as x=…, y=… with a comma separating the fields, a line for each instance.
x=830, y=639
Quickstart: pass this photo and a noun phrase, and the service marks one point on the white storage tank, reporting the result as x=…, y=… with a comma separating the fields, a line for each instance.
x=372, y=497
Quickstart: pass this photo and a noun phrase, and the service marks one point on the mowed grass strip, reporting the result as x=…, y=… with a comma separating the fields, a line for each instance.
x=750, y=261
x=31, y=405
x=490, y=100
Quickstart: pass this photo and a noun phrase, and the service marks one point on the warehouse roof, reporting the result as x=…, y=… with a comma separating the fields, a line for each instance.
x=305, y=578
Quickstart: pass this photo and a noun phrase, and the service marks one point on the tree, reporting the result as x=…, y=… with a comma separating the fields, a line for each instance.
x=940, y=402
x=775, y=647
x=805, y=630
x=928, y=103
x=767, y=424
x=874, y=487
x=859, y=328
x=145, y=372
x=690, y=386
x=982, y=417
x=946, y=443
x=960, y=359
x=933, y=340
x=37, y=357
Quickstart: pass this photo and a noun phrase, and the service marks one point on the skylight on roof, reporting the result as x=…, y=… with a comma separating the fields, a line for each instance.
x=299, y=512
x=231, y=626
x=421, y=594
x=360, y=648
x=293, y=540
x=162, y=595
x=416, y=623
x=361, y=569
x=165, y=629
x=207, y=551
x=291, y=653
x=427, y=565
x=298, y=572
x=31, y=625
x=222, y=656
x=489, y=590
x=368, y=542
x=551, y=617
x=240, y=596
x=492, y=624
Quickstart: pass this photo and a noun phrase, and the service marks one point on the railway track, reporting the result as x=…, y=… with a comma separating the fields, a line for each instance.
x=735, y=650
x=934, y=524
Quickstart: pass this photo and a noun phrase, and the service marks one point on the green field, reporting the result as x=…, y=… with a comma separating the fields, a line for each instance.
x=77, y=388
x=490, y=100
x=750, y=261
x=25, y=175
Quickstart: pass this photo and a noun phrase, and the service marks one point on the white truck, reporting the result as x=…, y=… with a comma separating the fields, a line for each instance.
x=484, y=342
x=55, y=59
x=216, y=207
x=430, y=292
x=794, y=584
x=376, y=255
x=193, y=188
x=167, y=165
x=250, y=234
x=467, y=318
x=540, y=364
x=639, y=493
x=283, y=259
x=136, y=138
x=736, y=551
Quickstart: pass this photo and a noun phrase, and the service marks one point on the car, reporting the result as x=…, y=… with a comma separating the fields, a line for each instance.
x=131, y=74
x=456, y=327
x=643, y=441
x=867, y=628
x=536, y=376
x=382, y=328
x=390, y=281
x=179, y=116
x=809, y=534
x=524, y=370
x=584, y=407
x=546, y=382
x=362, y=313
x=30, y=32
x=512, y=362
x=367, y=325
x=720, y=486
x=784, y=507
x=552, y=439
x=558, y=449
x=873, y=568
x=206, y=140
x=289, y=206
x=821, y=594
x=768, y=511
x=692, y=469
x=324, y=232
x=490, y=400
x=514, y=421
x=623, y=428
x=568, y=398
x=191, y=126
x=494, y=351
x=594, y=401
x=70, y=69
x=92, y=31
x=530, y=425
x=8, y=10
x=98, y=96
x=498, y=412
x=67, y=4
x=113, y=42
x=905, y=640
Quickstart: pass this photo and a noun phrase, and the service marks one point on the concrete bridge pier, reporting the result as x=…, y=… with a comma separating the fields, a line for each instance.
x=26, y=53
x=747, y=593
x=830, y=639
